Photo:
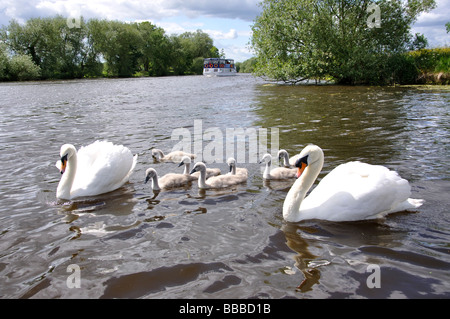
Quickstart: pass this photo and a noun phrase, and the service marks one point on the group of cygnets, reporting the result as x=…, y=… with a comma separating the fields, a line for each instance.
x=212, y=178
x=351, y=191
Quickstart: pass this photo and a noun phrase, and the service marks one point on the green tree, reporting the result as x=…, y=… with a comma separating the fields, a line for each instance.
x=188, y=48
x=119, y=44
x=155, y=44
x=22, y=68
x=60, y=50
x=303, y=39
x=247, y=66
x=3, y=62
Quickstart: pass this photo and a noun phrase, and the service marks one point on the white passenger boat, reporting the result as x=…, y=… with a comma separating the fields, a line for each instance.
x=219, y=67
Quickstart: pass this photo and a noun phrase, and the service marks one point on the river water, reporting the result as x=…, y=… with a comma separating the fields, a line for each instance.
x=233, y=243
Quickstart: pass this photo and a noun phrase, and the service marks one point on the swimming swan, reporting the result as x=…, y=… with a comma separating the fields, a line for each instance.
x=167, y=181
x=287, y=162
x=236, y=170
x=278, y=172
x=175, y=156
x=352, y=191
x=220, y=181
x=98, y=168
x=186, y=161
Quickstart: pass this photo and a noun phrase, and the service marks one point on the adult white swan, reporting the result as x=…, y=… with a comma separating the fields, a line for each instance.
x=352, y=191
x=98, y=168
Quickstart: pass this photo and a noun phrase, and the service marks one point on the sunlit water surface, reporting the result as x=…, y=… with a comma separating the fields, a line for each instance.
x=233, y=243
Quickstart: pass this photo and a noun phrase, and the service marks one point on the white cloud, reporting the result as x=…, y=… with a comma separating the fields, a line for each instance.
x=219, y=35
x=432, y=24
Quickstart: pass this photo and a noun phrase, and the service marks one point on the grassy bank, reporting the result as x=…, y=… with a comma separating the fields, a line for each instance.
x=431, y=65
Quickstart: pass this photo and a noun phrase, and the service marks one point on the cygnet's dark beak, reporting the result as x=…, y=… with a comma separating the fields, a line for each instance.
x=146, y=179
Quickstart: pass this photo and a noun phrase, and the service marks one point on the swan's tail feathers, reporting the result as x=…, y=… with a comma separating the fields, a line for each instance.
x=135, y=158
x=415, y=203
x=408, y=205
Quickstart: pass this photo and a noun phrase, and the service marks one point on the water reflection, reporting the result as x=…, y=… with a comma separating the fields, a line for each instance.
x=304, y=260
x=347, y=243
x=137, y=237
x=347, y=122
x=119, y=204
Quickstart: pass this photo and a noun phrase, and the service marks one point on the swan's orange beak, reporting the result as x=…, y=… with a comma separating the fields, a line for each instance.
x=301, y=169
x=63, y=164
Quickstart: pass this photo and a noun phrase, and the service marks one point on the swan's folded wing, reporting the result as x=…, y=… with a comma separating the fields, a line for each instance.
x=103, y=167
x=356, y=191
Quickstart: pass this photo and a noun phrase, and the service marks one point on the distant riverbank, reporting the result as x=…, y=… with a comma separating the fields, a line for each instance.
x=429, y=66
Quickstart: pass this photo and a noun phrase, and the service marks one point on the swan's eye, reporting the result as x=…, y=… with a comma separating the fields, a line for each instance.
x=303, y=160
x=63, y=164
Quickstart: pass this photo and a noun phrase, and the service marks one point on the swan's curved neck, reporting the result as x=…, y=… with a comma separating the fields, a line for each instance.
x=187, y=168
x=155, y=184
x=202, y=179
x=297, y=193
x=286, y=160
x=66, y=182
x=159, y=154
x=266, y=173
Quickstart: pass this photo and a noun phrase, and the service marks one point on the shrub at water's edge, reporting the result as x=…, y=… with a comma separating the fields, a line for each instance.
x=432, y=65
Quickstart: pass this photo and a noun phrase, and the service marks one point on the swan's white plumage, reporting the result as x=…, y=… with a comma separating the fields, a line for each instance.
x=98, y=168
x=352, y=191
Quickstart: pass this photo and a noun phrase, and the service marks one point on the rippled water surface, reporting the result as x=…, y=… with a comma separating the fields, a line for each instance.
x=186, y=243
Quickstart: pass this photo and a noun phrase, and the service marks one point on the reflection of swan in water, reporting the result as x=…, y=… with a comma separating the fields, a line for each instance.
x=98, y=168
x=175, y=156
x=305, y=261
x=236, y=170
x=352, y=191
x=220, y=181
x=278, y=173
x=170, y=180
x=186, y=161
x=288, y=162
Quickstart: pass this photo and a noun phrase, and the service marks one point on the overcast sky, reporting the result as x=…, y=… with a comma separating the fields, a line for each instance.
x=227, y=22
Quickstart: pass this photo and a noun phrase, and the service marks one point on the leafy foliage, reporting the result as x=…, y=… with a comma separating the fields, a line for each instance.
x=59, y=49
x=304, y=39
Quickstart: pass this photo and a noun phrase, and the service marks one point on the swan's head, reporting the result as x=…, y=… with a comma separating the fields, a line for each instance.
x=185, y=160
x=149, y=173
x=66, y=152
x=282, y=153
x=199, y=166
x=311, y=154
x=156, y=153
x=231, y=162
x=267, y=158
